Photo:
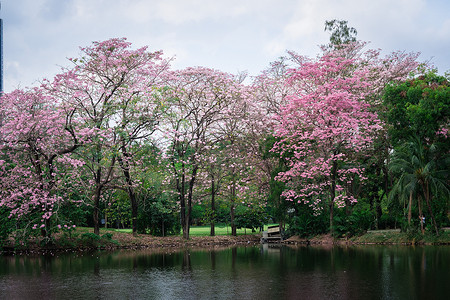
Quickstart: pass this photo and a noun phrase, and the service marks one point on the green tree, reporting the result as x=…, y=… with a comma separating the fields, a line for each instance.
x=250, y=216
x=419, y=107
x=159, y=216
x=417, y=115
x=419, y=176
x=118, y=209
x=341, y=33
x=7, y=225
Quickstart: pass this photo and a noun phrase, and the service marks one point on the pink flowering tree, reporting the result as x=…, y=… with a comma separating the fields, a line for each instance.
x=271, y=91
x=323, y=127
x=37, y=138
x=211, y=181
x=199, y=99
x=114, y=91
x=327, y=120
x=246, y=182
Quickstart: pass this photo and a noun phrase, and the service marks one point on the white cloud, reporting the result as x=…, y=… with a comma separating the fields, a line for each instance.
x=231, y=35
x=178, y=11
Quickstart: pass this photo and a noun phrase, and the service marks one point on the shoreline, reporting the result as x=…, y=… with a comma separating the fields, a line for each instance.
x=126, y=241
x=381, y=237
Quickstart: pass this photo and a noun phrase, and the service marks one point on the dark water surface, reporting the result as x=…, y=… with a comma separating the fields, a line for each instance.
x=362, y=272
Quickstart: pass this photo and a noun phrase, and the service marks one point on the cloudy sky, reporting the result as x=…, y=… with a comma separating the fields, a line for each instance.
x=229, y=35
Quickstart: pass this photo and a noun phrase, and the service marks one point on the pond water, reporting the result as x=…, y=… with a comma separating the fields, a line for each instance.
x=254, y=272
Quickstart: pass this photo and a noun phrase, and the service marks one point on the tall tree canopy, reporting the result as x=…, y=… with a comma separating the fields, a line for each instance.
x=37, y=137
x=330, y=120
x=418, y=118
x=113, y=89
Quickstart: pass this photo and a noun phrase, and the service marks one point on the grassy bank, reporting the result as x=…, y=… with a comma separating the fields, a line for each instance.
x=380, y=237
x=397, y=237
x=110, y=238
x=84, y=238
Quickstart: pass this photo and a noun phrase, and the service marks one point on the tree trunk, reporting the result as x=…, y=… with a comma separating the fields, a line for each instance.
x=232, y=216
x=188, y=209
x=410, y=208
x=213, y=207
x=378, y=211
x=430, y=209
x=213, y=229
x=134, y=210
x=331, y=215
x=97, y=210
x=181, y=191
x=99, y=185
x=125, y=166
x=45, y=231
x=186, y=228
x=332, y=195
x=419, y=202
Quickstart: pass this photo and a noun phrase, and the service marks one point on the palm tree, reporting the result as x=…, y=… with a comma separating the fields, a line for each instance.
x=405, y=188
x=419, y=175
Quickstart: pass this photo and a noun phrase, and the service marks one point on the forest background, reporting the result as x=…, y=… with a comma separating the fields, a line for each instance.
x=341, y=143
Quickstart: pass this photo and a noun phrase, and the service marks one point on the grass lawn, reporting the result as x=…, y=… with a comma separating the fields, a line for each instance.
x=373, y=236
x=194, y=231
x=219, y=230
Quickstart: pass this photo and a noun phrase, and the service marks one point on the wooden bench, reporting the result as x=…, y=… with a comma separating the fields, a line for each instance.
x=272, y=234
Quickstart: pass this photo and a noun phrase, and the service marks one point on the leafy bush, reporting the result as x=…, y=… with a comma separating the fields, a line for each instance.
x=391, y=221
x=74, y=213
x=107, y=236
x=304, y=224
x=118, y=211
x=358, y=222
x=198, y=214
x=250, y=217
x=6, y=225
x=158, y=218
x=92, y=240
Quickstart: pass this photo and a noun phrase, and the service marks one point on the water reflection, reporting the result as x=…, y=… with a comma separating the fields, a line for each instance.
x=266, y=272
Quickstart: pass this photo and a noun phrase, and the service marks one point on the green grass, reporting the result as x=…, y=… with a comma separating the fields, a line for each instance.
x=194, y=231
x=219, y=230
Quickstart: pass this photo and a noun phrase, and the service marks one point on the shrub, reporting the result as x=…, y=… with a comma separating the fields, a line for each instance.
x=107, y=236
x=92, y=240
x=158, y=218
x=304, y=224
x=6, y=225
x=358, y=222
